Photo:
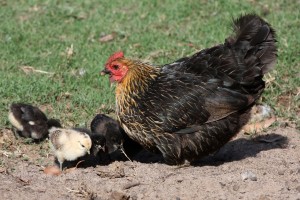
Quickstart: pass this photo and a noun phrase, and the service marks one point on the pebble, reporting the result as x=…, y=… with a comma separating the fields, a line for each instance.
x=298, y=188
x=133, y=197
x=222, y=184
x=249, y=175
x=115, y=195
x=263, y=197
x=281, y=172
x=179, y=180
x=236, y=187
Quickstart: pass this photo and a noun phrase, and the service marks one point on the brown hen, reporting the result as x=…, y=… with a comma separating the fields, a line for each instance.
x=192, y=107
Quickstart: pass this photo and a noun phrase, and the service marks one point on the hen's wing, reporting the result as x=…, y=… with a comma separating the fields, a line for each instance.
x=218, y=81
x=189, y=100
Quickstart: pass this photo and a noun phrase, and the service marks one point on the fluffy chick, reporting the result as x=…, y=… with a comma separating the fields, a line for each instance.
x=69, y=144
x=30, y=121
x=98, y=153
x=115, y=137
x=98, y=141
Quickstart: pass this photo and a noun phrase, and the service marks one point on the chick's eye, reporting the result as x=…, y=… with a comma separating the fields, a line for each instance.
x=115, y=67
x=82, y=146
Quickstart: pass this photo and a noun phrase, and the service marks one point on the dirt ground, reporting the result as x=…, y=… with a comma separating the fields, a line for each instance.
x=264, y=166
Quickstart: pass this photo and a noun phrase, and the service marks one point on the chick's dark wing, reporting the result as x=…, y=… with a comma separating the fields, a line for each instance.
x=54, y=138
x=31, y=113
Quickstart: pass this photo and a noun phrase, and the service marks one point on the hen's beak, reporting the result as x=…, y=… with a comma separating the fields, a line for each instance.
x=104, y=72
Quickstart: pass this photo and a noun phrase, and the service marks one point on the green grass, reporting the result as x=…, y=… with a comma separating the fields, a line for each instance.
x=37, y=33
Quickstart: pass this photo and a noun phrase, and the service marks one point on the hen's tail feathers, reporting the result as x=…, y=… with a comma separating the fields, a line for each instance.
x=255, y=40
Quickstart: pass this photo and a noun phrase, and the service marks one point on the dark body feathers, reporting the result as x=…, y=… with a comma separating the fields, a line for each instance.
x=114, y=136
x=30, y=121
x=190, y=108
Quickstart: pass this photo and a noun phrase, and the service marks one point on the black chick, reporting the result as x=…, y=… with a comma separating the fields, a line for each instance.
x=30, y=121
x=115, y=136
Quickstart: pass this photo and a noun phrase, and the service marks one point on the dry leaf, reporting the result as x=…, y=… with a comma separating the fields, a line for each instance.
x=70, y=170
x=118, y=173
x=81, y=16
x=130, y=185
x=29, y=69
x=23, y=180
x=73, y=168
x=261, y=117
x=259, y=126
x=107, y=38
x=70, y=51
x=2, y=170
x=52, y=170
x=35, y=8
x=5, y=136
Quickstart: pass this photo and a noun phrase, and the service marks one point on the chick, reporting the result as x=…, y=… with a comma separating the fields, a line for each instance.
x=98, y=141
x=30, y=121
x=99, y=144
x=115, y=136
x=99, y=153
x=69, y=144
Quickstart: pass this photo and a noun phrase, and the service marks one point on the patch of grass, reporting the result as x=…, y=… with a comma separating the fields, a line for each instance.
x=40, y=34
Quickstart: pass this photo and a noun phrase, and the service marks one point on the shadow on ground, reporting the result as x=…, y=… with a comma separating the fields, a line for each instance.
x=243, y=148
x=234, y=150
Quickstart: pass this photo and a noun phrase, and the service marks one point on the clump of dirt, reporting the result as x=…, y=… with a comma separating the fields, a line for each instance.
x=260, y=166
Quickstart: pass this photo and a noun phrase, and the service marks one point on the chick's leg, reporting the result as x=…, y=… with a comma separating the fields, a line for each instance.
x=60, y=166
x=61, y=161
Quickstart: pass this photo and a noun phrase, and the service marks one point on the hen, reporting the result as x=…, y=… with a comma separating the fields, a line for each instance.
x=192, y=107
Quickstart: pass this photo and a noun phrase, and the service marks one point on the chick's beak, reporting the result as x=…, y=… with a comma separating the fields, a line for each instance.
x=104, y=72
x=103, y=148
x=88, y=151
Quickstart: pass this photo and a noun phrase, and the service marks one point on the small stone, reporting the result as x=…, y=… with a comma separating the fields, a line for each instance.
x=281, y=172
x=179, y=180
x=283, y=124
x=222, y=184
x=263, y=197
x=133, y=197
x=108, y=190
x=115, y=195
x=298, y=188
x=295, y=181
x=236, y=187
x=249, y=175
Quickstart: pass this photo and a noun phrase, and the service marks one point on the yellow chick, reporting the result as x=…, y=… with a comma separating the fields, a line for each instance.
x=69, y=144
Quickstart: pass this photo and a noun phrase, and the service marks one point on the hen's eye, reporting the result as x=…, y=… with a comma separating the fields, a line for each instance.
x=115, y=67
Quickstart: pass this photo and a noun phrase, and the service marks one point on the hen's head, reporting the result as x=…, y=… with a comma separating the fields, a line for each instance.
x=116, y=66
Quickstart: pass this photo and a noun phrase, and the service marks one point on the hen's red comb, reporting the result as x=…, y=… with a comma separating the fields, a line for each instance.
x=115, y=56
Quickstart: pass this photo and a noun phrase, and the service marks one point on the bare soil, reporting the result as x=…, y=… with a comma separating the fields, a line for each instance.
x=262, y=166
